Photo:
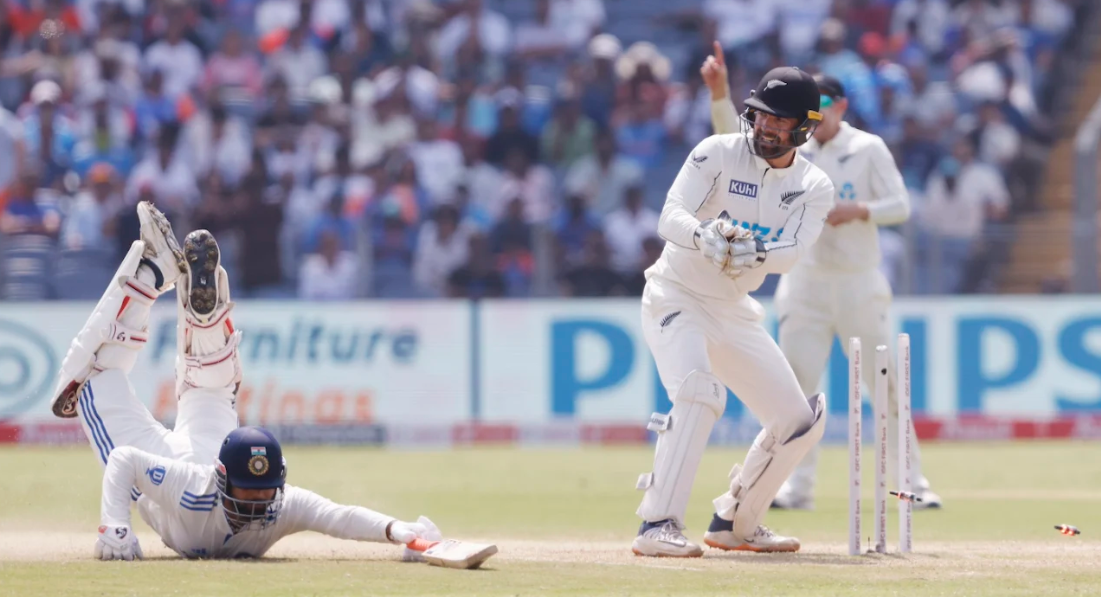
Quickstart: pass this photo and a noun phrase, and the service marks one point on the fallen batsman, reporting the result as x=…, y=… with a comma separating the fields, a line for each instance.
x=209, y=488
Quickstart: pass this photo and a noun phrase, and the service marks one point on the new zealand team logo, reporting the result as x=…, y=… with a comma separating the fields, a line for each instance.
x=787, y=198
x=745, y=189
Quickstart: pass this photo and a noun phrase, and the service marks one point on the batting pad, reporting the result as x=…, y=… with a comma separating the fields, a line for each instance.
x=767, y=466
x=682, y=438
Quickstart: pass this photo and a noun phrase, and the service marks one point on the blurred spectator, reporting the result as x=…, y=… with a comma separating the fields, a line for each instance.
x=477, y=26
x=153, y=107
x=998, y=142
x=442, y=246
x=543, y=39
x=329, y=274
x=578, y=20
x=510, y=136
x=917, y=153
x=598, y=80
x=934, y=103
x=593, y=277
x=962, y=195
x=980, y=18
x=929, y=19
x=571, y=231
x=392, y=256
x=260, y=221
x=298, y=63
x=48, y=135
x=569, y=136
x=798, y=23
x=12, y=145
x=603, y=177
x=22, y=214
x=277, y=114
x=332, y=219
x=233, y=76
x=168, y=174
x=178, y=59
x=532, y=183
x=512, y=229
x=838, y=61
x=404, y=198
x=641, y=137
x=214, y=139
x=477, y=278
x=439, y=162
x=90, y=223
x=105, y=134
x=626, y=228
x=742, y=26
x=512, y=242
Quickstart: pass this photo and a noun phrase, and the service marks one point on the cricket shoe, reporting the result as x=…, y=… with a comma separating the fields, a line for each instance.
x=162, y=252
x=664, y=539
x=720, y=535
x=204, y=291
x=207, y=341
x=929, y=501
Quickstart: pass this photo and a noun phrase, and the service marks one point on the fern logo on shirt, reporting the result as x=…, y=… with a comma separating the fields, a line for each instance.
x=745, y=189
x=788, y=197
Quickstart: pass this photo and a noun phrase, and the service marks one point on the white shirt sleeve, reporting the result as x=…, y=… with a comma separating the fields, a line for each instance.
x=162, y=480
x=308, y=511
x=724, y=118
x=694, y=184
x=801, y=229
x=892, y=200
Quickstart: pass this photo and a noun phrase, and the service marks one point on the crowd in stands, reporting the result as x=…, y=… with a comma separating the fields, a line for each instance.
x=341, y=149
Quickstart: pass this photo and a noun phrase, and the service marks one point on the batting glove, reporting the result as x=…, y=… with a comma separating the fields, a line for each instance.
x=431, y=533
x=117, y=543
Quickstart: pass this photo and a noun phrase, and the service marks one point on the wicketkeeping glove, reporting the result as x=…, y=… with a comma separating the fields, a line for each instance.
x=117, y=543
x=712, y=239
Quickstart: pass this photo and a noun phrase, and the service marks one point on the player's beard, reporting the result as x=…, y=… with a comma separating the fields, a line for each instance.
x=769, y=145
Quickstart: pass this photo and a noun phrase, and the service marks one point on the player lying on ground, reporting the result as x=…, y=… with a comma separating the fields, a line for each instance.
x=239, y=508
x=743, y=206
x=837, y=289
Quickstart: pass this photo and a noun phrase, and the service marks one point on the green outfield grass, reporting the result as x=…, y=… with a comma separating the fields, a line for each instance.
x=564, y=520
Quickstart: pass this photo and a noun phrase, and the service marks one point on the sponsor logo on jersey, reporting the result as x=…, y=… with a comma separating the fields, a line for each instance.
x=695, y=161
x=788, y=197
x=745, y=189
x=847, y=192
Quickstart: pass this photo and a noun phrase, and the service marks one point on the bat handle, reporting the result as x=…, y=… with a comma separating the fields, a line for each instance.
x=420, y=544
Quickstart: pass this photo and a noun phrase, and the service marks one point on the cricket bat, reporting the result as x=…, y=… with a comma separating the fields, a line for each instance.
x=450, y=553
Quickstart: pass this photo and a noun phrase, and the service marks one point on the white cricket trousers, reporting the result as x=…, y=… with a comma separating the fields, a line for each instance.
x=112, y=415
x=813, y=306
x=686, y=332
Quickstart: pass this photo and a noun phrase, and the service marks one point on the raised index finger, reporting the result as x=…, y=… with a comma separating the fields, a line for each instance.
x=719, y=52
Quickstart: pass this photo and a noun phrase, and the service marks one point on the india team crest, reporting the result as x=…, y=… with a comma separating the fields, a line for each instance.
x=258, y=465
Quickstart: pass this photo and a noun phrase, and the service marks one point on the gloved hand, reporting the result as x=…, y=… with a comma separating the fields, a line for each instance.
x=712, y=239
x=117, y=543
x=431, y=533
x=745, y=253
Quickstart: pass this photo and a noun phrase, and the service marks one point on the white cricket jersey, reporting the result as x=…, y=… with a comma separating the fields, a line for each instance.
x=785, y=207
x=862, y=169
x=180, y=501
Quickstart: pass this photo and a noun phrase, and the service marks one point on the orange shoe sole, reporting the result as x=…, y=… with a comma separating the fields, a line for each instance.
x=745, y=547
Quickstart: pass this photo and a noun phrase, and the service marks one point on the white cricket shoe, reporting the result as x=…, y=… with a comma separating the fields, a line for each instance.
x=929, y=501
x=664, y=539
x=720, y=535
x=162, y=252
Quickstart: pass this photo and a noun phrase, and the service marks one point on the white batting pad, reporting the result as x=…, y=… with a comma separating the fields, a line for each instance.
x=682, y=437
x=768, y=464
x=113, y=333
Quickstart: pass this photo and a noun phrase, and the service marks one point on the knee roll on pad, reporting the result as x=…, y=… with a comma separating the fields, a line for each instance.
x=755, y=484
x=682, y=438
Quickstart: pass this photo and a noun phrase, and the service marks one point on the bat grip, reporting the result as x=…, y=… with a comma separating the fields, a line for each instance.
x=420, y=544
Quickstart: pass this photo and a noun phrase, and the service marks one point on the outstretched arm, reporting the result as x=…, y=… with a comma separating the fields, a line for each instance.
x=724, y=118
x=308, y=511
